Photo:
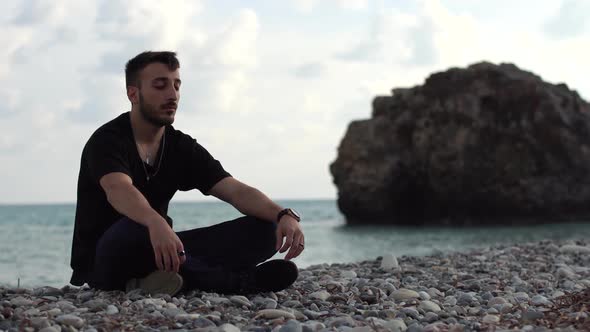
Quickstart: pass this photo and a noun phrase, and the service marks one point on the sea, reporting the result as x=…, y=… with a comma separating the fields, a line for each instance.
x=35, y=240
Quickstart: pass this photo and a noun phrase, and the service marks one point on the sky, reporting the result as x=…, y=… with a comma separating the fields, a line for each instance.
x=269, y=87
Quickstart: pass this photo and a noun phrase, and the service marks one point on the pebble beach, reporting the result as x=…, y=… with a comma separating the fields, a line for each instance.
x=543, y=286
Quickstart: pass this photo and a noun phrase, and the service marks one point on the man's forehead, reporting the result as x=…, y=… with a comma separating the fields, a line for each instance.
x=159, y=70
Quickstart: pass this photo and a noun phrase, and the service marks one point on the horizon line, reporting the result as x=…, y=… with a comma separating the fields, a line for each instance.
x=212, y=200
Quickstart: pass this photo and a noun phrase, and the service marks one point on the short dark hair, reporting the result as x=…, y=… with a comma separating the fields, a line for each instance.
x=140, y=61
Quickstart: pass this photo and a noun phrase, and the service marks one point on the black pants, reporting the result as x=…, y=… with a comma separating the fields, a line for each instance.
x=124, y=251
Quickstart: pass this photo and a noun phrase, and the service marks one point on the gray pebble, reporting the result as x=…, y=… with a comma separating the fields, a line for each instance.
x=415, y=328
x=395, y=325
x=270, y=304
x=71, y=320
x=411, y=312
x=112, y=310
x=423, y=295
x=49, y=329
x=430, y=317
x=291, y=326
x=540, y=300
x=228, y=328
x=21, y=301
x=340, y=321
x=203, y=322
x=531, y=315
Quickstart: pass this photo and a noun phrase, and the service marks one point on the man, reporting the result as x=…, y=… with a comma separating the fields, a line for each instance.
x=130, y=169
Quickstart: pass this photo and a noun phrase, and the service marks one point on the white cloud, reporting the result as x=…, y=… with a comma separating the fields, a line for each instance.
x=221, y=65
x=161, y=24
x=307, y=6
x=570, y=19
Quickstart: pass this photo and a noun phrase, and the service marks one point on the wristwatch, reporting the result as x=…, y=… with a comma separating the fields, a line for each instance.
x=289, y=212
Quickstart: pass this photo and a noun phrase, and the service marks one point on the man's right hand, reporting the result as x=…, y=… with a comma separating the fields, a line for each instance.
x=167, y=246
x=129, y=201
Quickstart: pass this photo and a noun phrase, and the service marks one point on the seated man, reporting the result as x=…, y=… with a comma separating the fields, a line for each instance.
x=130, y=169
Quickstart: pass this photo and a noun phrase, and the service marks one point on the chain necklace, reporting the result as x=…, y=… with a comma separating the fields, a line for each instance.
x=147, y=159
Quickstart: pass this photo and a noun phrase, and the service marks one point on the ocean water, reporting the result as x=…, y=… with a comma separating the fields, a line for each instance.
x=35, y=240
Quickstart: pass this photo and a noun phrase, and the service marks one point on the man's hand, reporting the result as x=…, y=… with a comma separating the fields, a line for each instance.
x=167, y=246
x=289, y=229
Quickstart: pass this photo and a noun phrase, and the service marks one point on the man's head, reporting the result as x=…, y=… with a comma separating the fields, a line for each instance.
x=153, y=86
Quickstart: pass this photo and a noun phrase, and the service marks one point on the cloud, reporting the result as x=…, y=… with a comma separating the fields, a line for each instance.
x=218, y=68
x=309, y=70
x=308, y=6
x=397, y=36
x=35, y=12
x=570, y=20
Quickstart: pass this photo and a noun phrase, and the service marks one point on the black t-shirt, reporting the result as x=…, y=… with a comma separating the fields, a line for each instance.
x=184, y=165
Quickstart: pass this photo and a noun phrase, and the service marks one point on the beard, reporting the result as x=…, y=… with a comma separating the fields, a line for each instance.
x=150, y=114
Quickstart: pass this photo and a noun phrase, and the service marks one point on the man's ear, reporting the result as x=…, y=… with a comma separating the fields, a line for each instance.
x=133, y=94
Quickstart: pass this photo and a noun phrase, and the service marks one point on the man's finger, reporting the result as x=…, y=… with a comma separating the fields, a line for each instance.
x=180, y=248
x=158, y=259
x=166, y=259
x=174, y=260
x=279, y=240
x=295, y=248
x=291, y=253
x=288, y=242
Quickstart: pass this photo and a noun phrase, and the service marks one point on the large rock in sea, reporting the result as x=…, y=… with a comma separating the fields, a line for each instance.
x=486, y=144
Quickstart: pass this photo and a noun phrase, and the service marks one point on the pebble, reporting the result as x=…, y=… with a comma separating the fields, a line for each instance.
x=112, y=310
x=291, y=326
x=320, y=295
x=395, y=325
x=274, y=313
x=430, y=317
x=496, y=300
x=349, y=274
x=389, y=262
x=21, y=301
x=270, y=304
x=404, y=294
x=50, y=329
x=540, y=300
x=240, y=300
x=423, y=295
x=429, y=306
x=574, y=249
x=491, y=319
x=531, y=315
x=71, y=320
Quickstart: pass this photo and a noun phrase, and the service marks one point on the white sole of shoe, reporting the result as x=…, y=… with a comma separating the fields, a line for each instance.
x=157, y=282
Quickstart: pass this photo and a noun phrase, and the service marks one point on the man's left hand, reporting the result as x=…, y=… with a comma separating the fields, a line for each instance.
x=289, y=229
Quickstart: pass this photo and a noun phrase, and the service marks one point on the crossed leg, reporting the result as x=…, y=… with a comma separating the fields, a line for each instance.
x=125, y=252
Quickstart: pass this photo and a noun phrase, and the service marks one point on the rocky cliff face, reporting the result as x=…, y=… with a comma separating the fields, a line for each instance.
x=485, y=144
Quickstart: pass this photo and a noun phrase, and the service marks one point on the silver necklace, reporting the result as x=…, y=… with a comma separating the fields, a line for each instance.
x=147, y=158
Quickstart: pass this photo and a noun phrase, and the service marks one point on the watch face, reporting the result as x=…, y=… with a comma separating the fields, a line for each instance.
x=295, y=213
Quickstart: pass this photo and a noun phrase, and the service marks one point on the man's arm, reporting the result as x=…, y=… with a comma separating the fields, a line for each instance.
x=252, y=202
x=127, y=200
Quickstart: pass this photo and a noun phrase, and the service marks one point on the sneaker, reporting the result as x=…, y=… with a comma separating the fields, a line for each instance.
x=157, y=282
x=271, y=276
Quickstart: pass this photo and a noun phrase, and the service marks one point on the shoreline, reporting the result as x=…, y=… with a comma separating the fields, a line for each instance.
x=536, y=286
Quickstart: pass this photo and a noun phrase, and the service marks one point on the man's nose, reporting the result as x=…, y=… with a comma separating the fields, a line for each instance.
x=172, y=94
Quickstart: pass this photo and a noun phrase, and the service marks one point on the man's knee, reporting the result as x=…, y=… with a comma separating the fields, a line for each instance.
x=263, y=231
x=263, y=227
x=122, y=252
x=123, y=236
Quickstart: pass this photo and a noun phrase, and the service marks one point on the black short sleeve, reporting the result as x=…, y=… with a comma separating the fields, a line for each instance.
x=105, y=153
x=201, y=171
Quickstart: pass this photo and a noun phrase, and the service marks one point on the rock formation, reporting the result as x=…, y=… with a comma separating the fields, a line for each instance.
x=481, y=145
